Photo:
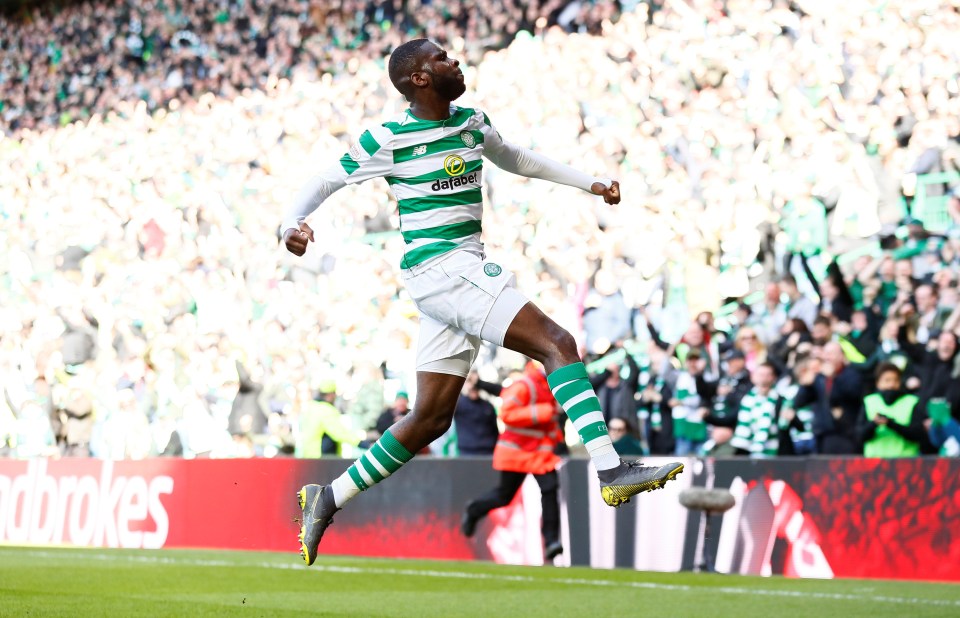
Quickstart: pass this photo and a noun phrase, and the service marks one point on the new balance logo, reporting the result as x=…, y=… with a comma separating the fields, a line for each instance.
x=419, y=150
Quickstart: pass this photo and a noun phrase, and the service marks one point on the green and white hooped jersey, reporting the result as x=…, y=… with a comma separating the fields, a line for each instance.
x=435, y=170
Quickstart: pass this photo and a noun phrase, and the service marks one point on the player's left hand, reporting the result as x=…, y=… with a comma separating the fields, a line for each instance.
x=611, y=194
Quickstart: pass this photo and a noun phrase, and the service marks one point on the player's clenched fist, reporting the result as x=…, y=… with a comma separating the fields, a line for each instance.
x=296, y=240
x=611, y=194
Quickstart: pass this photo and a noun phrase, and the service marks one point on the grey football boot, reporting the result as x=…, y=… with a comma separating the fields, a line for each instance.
x=318, y=506
x=630, y=478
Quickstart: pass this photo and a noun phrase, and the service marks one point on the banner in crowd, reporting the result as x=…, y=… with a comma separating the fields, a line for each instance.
x=798, y=517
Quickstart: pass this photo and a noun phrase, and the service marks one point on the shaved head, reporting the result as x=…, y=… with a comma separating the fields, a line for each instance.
x=405, y=60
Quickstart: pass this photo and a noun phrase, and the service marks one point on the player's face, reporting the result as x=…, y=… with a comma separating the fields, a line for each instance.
x=445, y=73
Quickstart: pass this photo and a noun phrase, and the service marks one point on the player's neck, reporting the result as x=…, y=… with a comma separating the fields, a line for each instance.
x=431, y=109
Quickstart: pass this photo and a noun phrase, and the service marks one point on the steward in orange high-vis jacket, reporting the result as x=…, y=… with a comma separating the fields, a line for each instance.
x=526, y=446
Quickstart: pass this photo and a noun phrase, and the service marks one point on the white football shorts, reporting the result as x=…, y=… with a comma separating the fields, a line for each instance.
x=464, y=298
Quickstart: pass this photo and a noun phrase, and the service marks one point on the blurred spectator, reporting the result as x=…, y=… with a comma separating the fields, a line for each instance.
x=888, y=349
x=246, y=415
x=399, y=409
x=125, y=432
x=833, y=389
x=625, y=440
x=368, y=403
x=756, y=433
x=695, y=338
x=890, y=425
x=606, y=317
x=805, y=223
x=795, y=423
x=862, y=336
x=76, y=422
x=822, y=331
x=929, y=316
x=733, y=385
x=654, y=402
x=740, y=317
x=793, y=334
x=322, y=428
x=691, y=397
x=33, y=436
x=943, y=427
x=476, y=420
x=753, y=350
x=768, y=316
x=616, y=394
x=797, y=304
x=938, y=369
x=835, y=298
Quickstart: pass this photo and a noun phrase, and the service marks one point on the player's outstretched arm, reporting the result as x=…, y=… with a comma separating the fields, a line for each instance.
x=370, y=157
x=526, y=162
x=296, y=233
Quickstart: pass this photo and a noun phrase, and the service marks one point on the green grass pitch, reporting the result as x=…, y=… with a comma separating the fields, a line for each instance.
x=83, y=582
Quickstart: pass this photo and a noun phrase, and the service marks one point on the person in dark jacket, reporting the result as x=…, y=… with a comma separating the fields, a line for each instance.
x=79, y=339
x=782, y=352
x=733, y=385
x=246, y=415
x=399, y=409
x=888, y=349
x=624, y=438
x=862, y=336
x=835, y=297
x=938, y=370
x=834, y=391
x=617, y=394
x=476, y=420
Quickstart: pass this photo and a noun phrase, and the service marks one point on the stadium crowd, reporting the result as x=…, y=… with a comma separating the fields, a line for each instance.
x=150, y=147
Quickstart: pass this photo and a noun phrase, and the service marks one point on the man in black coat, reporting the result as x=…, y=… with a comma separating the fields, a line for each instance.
x=733, y=385
x=938, y=370
x=834, y=391
x=617, y=394
x=476, y=420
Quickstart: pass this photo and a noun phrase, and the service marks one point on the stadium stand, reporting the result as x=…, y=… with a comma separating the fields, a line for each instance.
x=803, y=153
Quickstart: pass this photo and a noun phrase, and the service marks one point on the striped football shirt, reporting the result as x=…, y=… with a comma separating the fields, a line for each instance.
x=756, y=430
x=435, y=170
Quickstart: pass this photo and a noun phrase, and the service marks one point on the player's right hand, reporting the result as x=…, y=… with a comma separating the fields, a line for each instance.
x=296, y=239
x=611, y=194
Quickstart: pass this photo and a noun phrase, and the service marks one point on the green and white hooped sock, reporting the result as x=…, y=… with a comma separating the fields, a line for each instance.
x=577, y=398
x=383, y=459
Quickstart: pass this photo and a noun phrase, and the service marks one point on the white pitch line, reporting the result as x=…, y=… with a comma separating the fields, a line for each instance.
x=832, y=596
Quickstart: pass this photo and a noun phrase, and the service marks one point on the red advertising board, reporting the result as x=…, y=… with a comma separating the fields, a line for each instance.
x=797, y=517
x=240, y=504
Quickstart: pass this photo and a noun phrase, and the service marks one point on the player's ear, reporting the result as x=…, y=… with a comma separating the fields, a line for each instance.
x=420, y=79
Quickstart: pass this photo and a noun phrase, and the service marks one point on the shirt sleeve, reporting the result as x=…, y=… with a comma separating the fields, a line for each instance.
x=525, y=162
x=370, y=157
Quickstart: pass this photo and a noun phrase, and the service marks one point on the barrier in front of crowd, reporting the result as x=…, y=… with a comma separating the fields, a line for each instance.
x=816, y=517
